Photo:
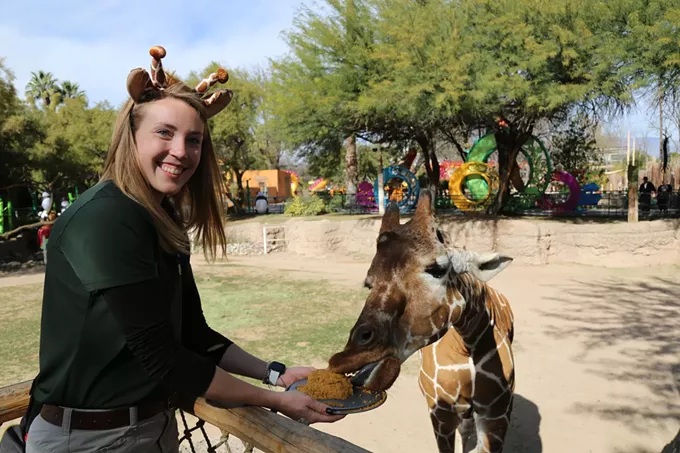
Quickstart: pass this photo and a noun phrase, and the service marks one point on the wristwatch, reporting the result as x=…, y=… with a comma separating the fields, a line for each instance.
x=273, y=372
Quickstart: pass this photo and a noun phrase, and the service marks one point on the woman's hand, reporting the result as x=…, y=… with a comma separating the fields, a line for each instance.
x=303, y=408
x=293, y=374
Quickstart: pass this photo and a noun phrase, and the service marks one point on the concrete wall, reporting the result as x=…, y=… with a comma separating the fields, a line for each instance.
x=616, y=244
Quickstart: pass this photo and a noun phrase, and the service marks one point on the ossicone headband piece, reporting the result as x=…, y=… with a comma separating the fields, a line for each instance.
x=143, y=85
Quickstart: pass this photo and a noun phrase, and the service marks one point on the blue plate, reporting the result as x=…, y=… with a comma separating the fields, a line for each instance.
x=360, y=401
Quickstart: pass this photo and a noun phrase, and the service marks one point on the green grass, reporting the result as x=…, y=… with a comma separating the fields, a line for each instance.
x=298, y=322
x=278, y=319
x=19, y=332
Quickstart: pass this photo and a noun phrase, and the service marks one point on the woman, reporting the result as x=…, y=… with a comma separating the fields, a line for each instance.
x=123, y=338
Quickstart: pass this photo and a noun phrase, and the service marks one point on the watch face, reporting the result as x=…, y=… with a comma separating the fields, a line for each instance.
x=277, y=366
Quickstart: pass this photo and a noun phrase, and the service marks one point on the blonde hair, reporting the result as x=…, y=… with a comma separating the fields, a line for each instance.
x=198, y=206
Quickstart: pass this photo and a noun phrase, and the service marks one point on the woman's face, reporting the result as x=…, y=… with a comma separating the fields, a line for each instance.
x=169, y=140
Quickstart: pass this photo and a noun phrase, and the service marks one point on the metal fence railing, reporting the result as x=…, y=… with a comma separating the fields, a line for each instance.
x=592, y=204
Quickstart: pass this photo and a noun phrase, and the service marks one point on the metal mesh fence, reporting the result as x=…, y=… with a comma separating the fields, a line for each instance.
x=203, y=442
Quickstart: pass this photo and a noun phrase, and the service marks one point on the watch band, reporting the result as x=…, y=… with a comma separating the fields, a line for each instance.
x=273, y=377
x=273, y=372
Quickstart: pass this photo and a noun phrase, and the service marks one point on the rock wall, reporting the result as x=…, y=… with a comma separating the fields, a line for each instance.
x=608, y=244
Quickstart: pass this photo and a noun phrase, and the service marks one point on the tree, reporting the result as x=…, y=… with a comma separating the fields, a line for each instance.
x=434, y=69
x=233, y=131
x=270, y=140
x=538, y=62
x=19, y=132
x=75, y=146
x=318, y=85
x=575, y=150
x=42, y=87
x=70, y=90
x=654, y=44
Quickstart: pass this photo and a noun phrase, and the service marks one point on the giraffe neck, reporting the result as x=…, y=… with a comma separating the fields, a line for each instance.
x=469, y=313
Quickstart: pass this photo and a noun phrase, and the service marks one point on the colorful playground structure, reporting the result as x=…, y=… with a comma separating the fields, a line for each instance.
x=474, y=184
x=294, y=182
x=39, y=209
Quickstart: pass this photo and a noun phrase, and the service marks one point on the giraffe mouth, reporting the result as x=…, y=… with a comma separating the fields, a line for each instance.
x=379, y=375
x=361, y=376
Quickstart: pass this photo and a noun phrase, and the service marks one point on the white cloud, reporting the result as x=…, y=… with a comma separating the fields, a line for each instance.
x=97, y=45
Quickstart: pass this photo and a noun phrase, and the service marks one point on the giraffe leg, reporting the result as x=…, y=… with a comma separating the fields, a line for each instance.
x=444, y=423
x=491, y=431
x=491, y=437
x=467, y=431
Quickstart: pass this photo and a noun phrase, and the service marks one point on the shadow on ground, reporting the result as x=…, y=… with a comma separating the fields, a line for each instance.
x=629, y=331
x=524, y=433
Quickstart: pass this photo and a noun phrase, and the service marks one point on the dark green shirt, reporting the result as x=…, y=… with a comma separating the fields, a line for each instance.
x=95, y=355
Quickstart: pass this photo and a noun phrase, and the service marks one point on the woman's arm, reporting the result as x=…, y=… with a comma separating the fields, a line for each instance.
x=236, y=360
x=227, y=389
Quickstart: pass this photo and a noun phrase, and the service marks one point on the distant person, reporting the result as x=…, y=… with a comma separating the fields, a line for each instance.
x=663, y=197
x=44, y=234
x=646, y=191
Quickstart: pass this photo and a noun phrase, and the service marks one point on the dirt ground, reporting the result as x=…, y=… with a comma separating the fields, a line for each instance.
x=597, y=357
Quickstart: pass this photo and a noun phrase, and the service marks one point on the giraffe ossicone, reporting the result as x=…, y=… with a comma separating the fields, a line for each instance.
x=426, y=296
x=146, y=86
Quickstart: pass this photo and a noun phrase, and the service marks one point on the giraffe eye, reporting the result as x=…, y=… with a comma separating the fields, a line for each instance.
x=363, y=335
x=436, y=270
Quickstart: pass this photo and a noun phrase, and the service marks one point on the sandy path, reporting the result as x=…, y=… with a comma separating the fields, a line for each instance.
x=22, y=279
x=597, y=354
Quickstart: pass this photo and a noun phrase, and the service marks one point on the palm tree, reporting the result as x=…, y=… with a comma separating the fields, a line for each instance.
x=70, y=90
x=43, y=86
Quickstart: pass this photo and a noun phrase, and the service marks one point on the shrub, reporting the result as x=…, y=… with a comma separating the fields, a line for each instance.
x=336, y=203
x=311, y=206
x=315, y=206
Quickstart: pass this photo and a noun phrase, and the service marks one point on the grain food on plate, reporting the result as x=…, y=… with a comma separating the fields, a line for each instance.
x=325, y=385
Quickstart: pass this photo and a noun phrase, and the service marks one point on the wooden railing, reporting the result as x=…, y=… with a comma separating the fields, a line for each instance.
x=266, y=431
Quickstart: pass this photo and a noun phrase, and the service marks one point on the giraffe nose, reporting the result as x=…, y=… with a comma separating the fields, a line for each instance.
x=363, y=336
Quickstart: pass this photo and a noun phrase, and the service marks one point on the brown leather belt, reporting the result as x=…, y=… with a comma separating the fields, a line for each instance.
x=100, y=420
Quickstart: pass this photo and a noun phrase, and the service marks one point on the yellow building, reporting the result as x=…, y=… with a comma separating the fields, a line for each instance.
x=275, y=183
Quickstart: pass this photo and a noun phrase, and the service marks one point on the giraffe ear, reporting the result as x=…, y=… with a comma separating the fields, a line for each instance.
x=483, y=266
x=138, y=83
x=391, y=218
x=217, y=102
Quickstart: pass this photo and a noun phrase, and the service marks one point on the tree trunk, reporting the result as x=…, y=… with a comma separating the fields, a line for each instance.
x=661, y=124
x=461, y=150
x=277, y=158
x=240, y=191
x=351, y=167
x=632, y=193
x=431, y=164
x=508, y=146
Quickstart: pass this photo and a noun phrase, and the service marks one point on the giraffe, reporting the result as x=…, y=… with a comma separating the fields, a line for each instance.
x=426, y=297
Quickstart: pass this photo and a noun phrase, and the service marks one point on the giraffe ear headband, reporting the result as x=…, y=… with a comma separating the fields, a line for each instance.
x=143, y=85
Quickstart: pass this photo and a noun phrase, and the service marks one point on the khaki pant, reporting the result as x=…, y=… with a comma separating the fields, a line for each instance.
x=157, y=434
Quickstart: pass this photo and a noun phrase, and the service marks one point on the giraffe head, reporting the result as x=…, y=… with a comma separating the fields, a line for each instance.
x=411, y=302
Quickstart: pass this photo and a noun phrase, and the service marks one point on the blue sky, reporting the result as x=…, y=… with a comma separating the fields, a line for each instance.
x=97, y=43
